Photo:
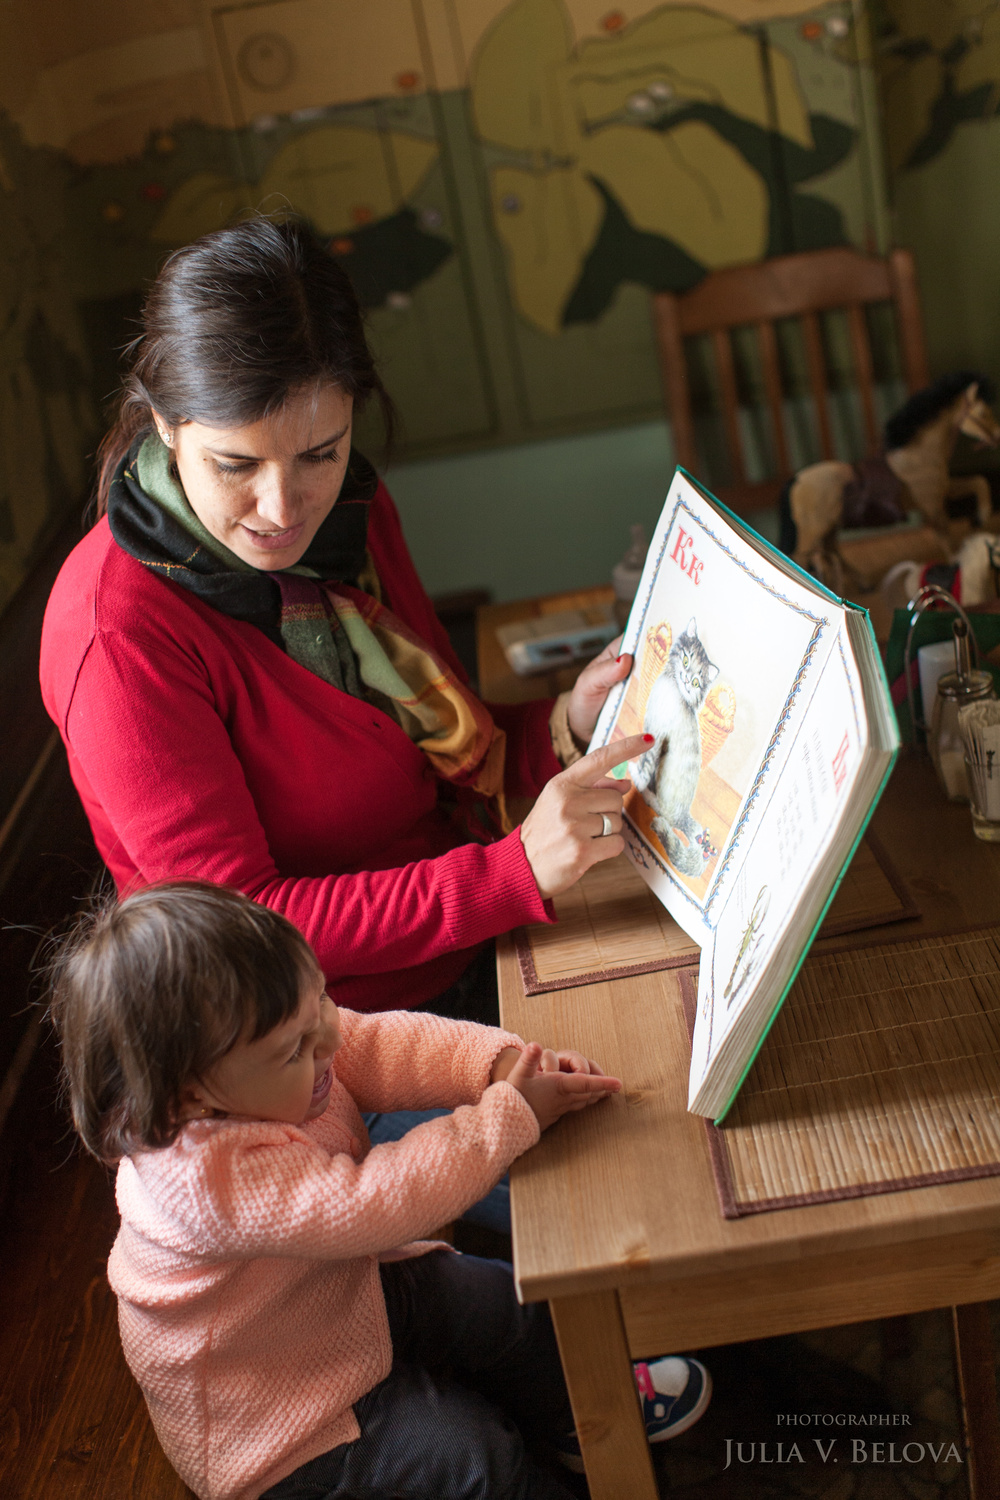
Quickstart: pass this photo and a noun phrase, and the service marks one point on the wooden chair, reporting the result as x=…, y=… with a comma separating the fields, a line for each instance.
x=789, y=286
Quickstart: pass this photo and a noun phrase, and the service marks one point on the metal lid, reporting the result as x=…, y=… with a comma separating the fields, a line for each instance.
x=968, y=685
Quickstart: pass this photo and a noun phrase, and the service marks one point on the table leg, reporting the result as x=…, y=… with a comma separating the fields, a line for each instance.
x=977, y=1389
x=602, y=1391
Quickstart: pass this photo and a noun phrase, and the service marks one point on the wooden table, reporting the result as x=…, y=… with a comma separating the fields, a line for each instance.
x=497, y=681
x=615, y=1215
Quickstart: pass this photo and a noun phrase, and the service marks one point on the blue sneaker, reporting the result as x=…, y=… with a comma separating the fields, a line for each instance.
x=675, y=1392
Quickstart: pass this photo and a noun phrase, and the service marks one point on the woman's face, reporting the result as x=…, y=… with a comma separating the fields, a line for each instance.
x=265, y=489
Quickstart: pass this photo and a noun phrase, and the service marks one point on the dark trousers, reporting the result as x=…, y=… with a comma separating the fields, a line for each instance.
x=474, y=995
x=475, y=1378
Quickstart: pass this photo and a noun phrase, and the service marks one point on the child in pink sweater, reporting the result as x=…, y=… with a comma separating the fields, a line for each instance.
x=293, y=1333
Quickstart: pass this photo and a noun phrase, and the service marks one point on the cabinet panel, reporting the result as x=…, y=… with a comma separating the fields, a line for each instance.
x=307, y=54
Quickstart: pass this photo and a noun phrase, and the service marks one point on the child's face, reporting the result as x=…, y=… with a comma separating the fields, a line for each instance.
x=285, y=1075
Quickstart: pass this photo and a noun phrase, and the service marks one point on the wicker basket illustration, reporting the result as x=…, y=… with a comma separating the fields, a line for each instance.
x=718, y=713
x=658, y=641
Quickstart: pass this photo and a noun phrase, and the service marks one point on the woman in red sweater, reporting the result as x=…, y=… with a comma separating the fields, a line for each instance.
x=250, y=681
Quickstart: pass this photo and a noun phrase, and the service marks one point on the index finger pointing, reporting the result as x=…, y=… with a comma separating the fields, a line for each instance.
x=591, y=769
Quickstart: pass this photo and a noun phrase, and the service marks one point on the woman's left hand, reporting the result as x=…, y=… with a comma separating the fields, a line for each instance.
x=592, y=687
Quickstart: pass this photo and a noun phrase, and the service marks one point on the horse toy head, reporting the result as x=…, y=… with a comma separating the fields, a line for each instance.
x=976, y=418
x=962, y=398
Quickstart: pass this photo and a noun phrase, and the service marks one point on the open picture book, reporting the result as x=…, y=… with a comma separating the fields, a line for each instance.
x=774, y=736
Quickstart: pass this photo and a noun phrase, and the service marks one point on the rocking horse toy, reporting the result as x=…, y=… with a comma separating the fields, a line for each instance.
x=910, y=474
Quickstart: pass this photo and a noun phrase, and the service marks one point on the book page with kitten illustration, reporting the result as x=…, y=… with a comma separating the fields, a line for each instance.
x=725, y=657
x=745, y=676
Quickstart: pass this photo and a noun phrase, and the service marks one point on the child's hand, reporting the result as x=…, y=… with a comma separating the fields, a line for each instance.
x=551, y=1062
x=554, y=1083
x=568, y=1062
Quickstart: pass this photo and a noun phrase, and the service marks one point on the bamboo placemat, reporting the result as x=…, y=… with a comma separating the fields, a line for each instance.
x=881, y=1072
x=611, y=925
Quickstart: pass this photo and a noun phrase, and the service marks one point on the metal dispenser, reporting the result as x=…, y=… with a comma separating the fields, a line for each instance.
x=967, y=684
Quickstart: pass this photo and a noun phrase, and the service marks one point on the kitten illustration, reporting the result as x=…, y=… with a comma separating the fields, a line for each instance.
x=667, y=775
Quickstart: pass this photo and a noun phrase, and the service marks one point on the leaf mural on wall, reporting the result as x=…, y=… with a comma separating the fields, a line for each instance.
x=939, y=66
x=344, y=176
x=204, y=202
x=681, y=55
x=980, y=64
x=580, y=118
x=689, y=186
x=341, y=177
x=517, y=101
x=547, y=221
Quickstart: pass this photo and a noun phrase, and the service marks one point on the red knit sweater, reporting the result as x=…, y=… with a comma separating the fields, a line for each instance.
x=201, y=751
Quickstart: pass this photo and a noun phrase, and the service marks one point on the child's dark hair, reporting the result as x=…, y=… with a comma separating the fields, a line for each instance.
x=148, y=994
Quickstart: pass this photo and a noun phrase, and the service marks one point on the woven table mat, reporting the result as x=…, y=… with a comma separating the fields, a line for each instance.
x=611, y=925
x=881, y=1072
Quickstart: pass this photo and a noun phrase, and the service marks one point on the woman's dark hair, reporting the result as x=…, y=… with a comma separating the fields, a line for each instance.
x=233, y=324
x=148, y=994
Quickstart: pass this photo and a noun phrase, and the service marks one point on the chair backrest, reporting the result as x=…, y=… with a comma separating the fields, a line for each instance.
x=789, y=286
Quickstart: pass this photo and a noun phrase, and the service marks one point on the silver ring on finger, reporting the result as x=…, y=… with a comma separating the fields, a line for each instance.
x=606, y=827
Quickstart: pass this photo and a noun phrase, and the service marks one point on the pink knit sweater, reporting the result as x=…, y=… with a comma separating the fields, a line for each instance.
x=246, y=1266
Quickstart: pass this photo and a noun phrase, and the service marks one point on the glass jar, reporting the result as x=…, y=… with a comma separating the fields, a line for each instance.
x=944, y=739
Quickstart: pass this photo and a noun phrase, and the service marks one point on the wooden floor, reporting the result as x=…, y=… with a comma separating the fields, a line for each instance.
x=74, y=1421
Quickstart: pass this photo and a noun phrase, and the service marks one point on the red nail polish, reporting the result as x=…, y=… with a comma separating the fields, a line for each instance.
x=617, y=660
x=648, y=738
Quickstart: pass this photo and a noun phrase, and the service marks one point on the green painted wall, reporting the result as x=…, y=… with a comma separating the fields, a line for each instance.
x=536, y=518
x=939, y=77
x=948, y=212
